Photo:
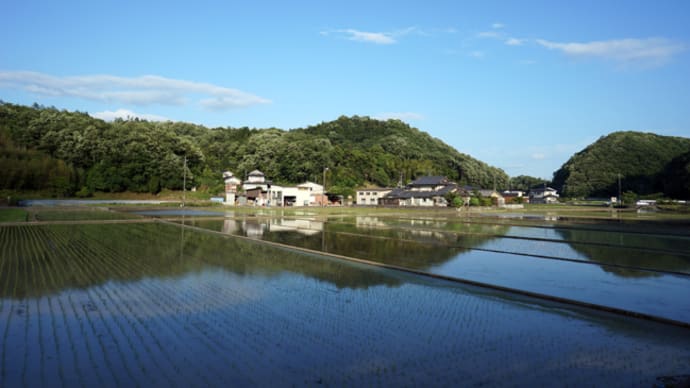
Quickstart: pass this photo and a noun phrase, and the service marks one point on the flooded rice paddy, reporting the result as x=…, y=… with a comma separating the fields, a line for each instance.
x=630, y=270
x=157, y=304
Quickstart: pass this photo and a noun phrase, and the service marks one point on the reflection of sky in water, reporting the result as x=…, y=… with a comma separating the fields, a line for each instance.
x=179, y=212
x=222, y=326
x=656, y=295
x=522, y=231
x=535, y=247
x=626, y=288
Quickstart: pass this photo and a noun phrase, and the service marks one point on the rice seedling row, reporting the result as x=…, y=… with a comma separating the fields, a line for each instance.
x=77, y=339
x=98, y=328
x=216, y=325
x=157, y=296
x=57, y=325
x=92, y=305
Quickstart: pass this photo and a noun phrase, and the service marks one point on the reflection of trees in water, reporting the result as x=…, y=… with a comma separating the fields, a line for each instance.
x=39, y=260
x=654, y=255
x=413, y=243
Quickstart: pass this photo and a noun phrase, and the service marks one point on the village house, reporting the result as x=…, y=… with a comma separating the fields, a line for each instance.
x=496, y=197
x=232, y=184
x=515, y=196
x=262, y=192
x=543, y=194
x=370, y=196
x=425, y=191
x=256, y=188
x=305, y=194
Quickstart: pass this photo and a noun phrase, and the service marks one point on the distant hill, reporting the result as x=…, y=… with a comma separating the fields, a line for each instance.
x=647, y=164
x=141, y=156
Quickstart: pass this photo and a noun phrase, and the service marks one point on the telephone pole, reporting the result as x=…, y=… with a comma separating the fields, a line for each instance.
x=620, y=200
x=325, y=197
x=184, y=181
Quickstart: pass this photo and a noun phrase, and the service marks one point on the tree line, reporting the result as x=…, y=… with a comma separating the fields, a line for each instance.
x=72, y=153
x=641, y=163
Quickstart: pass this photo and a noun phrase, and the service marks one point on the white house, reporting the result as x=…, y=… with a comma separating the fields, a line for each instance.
x=370, y=197
x=258, y=189
x=232, y=183
x=262, y=192
x=543, y=195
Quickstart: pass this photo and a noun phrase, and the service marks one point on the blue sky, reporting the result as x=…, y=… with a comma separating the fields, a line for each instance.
x=519, y=85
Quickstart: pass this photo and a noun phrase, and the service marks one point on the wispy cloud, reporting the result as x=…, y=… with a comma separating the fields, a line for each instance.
x=514, y=42
x=490, y=34
x=476, y=54
x=382, y=38
x=403, y=116
x=641, y=52
x=497, y=33
x=126, y=114
x=369, y=37
x=143, y=90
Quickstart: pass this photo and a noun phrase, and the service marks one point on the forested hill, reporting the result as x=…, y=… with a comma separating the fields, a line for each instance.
x=141, y=156
x=647, y=164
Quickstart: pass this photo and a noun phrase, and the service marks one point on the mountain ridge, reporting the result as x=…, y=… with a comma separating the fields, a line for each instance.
x=147, y=156
x=640, y=159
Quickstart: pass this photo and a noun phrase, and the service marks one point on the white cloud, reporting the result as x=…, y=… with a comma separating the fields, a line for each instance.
x=383, y=38
x=644, y=52
x=143, y=90
x=538, y=156
x=490, y=35
x=476, y=54
x=402, y=116
x=127, y=114
x=514, y=42
x=497, y=26
x=370, y=37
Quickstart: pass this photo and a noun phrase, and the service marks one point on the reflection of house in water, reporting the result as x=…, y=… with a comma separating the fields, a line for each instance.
x=413, y=230
x=306, y=227
x=229, y=226
x=257, y=228
x=253, y=228
x=368, y=221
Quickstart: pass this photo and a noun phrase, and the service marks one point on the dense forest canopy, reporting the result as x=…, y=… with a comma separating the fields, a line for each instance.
x=73, y=153
x=646, y=164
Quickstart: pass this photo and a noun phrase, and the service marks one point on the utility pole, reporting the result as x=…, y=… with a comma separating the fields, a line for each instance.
x=184, y=181
x=324, y=187
x=620, y=200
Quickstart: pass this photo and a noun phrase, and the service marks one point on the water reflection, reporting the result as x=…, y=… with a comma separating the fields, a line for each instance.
x=39, y=260
x=421, y=244
x=665, y=253
x=517, y=257
x=126, y=305
x=411, y=248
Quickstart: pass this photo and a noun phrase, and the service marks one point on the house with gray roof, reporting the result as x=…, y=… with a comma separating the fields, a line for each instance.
x=427, y=191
